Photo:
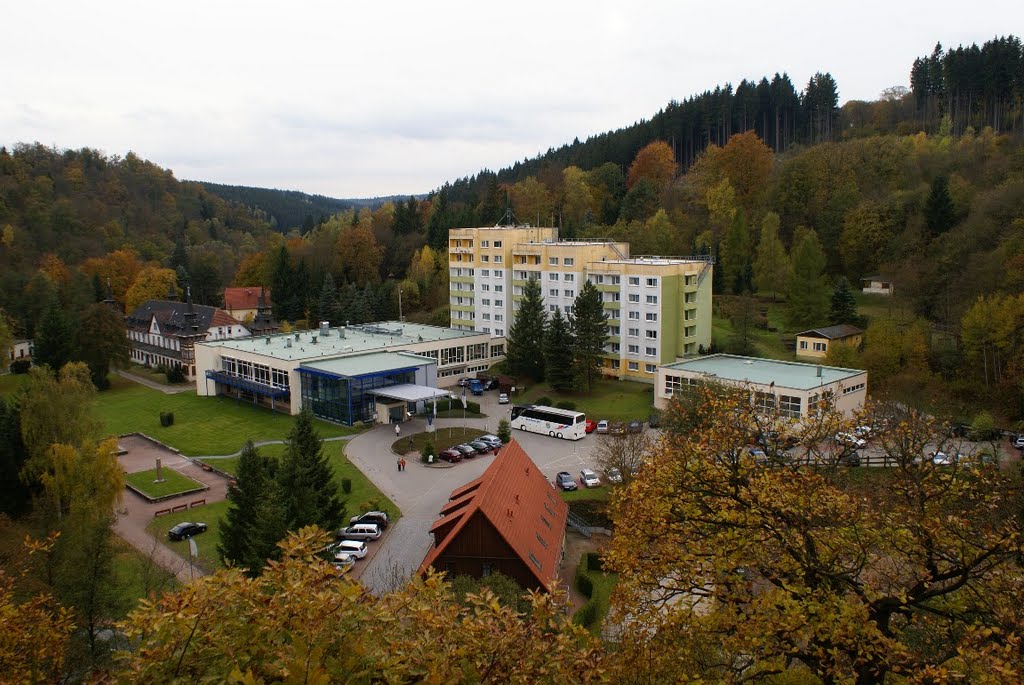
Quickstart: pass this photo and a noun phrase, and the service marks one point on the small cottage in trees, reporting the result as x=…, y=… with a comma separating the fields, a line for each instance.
x=815, y=342
x=510, y=519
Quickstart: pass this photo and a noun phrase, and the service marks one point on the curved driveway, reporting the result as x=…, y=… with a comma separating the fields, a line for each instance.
x=420, y=491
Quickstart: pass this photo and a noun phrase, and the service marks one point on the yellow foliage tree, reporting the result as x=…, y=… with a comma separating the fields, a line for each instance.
x=119, y=268
x=656, y=163
x=152, y=283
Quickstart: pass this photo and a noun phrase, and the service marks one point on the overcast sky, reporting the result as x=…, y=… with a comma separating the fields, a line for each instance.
x=366, y=99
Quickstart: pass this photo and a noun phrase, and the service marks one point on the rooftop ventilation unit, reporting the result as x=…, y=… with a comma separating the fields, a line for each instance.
x=312, y=339
x=325, y=329
x=287, y=342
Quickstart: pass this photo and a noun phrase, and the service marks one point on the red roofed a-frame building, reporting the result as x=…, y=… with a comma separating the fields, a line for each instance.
x=510, y=519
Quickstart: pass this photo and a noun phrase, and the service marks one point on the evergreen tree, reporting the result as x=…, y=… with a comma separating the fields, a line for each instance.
x=55, y=340
x=15, y=495
x=441, y=221
x=844, y=306
x=807, y=295
x=309, y=495
x=327, y=304
x=558, y=353
x=771, y=265
x=282, y=284
x=736, y=267
x=254, y=522
x=589, y=326
x=102, y=342
x=525, y=351
x=938, y=211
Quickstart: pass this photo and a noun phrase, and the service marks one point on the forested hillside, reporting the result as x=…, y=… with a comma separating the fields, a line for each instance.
x=285, y=209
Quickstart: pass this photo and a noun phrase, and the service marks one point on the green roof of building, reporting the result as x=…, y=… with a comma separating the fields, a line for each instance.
x=344, y=340
x=370, y=363
x=793, y=375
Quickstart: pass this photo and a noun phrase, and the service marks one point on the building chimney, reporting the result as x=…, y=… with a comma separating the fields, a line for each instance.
x=325, y=329
x=819, y=372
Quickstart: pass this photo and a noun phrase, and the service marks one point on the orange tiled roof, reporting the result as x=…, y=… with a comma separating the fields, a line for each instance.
x=517, y=499
x=247, y=297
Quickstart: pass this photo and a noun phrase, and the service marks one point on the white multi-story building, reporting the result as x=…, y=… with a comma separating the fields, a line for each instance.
x=659, y=308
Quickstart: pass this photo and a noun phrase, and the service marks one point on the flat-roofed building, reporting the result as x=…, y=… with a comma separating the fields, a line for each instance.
x=346, y=374
x=792, y=387
x=658, y=308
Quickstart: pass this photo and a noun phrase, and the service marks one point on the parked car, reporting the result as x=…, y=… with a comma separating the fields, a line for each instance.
x=849, y=459
x=467, y=451
x=1019, y=442
x=635, y=426
x=503, y=398
x=356, y=548
x=480, y=446
x=589, y=479
x=344, y=562
x=450, y=455
x=850, y=440
x=565, y=480
x=759, y=455
x=464, y=381
x=476, y=387
x=943, y=459
x=185, y=530
x=591, y=426
x=864, y=432
x=492, y=440
x=490, y=384
x=617, y=428
x=379, y=517
x=613, y=475
x=359, y=531
x=602, y=426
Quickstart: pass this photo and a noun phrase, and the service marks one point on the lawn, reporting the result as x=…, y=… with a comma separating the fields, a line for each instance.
x=211, y=515
x=598, y=494
x=592, y=614
x=442, y=438
x=151, y=374
x=610, y=399
x=202, y=425
x=11, y=383
x=173, y=483
x=364, y=496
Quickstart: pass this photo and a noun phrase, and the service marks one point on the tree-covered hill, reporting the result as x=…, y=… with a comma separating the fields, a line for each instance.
x=285, y=209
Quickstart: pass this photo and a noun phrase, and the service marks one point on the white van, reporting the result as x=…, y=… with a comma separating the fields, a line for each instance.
x=360, y=531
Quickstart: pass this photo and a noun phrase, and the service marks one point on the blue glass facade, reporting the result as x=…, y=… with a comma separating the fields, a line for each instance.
x=344, y=399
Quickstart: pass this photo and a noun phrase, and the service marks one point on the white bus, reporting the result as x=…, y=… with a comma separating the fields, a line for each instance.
x=558, y=423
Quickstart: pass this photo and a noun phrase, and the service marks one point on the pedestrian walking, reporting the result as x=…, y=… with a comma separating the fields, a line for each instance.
x=398, y=430
x=399, y=464
x=403, y=464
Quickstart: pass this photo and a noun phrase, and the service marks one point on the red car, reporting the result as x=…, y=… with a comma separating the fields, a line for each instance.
x=591, y=425
x=450, y=455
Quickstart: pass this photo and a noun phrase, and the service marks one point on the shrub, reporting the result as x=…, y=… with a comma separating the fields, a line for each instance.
x=504, y=431
x=543, y=400
x=586, y=616
x=19, y=366
x=428, y=448
x=594, y=562
x=176, y=374
x=567, y=404
x=166, y=418
x=346, y=485
x=583, y=582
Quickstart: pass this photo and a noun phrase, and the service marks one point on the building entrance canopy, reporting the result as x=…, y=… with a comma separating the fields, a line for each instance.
x=408, y=392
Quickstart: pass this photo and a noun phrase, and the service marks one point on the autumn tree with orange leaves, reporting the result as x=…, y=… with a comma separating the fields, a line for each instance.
x=735, y=566
x=654, y=162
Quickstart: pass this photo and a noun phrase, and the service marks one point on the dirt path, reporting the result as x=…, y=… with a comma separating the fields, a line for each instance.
x=166, y=389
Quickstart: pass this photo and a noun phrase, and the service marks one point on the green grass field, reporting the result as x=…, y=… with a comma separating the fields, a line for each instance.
x=173, y=483
x=11, y=383
x=211, y=515
x=610, y=399
x=202, y=425
x=604, y=585
x=599, y=493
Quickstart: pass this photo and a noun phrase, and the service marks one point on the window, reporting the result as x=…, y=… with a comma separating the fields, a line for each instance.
x=569, y=277
x=485, y=272
x=598, y=278
x=690, y=348
x=485, y=243
x=633, y=366
x=652, y=282
x=484, y=258
x=803, y=344
x=633, y=297
x=569, y=293
x=499, y=303
x=553, y=261
x=633, y=349
x=689, y=314
x=819, y=347
x=690, y=331
x=634, y=315
x=499, y=317
x=652, y=316
x=615, y=347
x=652, y=299
x=613, y=330
x=499, y=332
x=653, y=335
x=497, y=243
x=610, y=297
x=651, y=351
x=499, y=288
x=552, y=308
x=485, y=302
x=616, y=364
x=552, y=277
x=486, y=316
x=690, y=298
x=498, y=273
x=614, y=280
x=568, y=310
x=651, y=368
x=483, y=286
x=674, y=385
x=553, y=292
x=568, y=261
x=853, y=388
x=497, y=259
x=789, y=406
x=691, y=280
x=634, y=332
x=634, y=280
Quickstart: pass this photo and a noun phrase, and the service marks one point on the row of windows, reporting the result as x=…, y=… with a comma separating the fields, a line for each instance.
x=598, y=279
x=675, y=384
x=853, y=388
x=487, y=302
x=635, y=366
x=500, y=332
x=818, y=346
x=567, y=261
x=553, y=292
x=486, y=243
x=497, y=317
x=497, y=258
x=497, y=287
x=564, y=277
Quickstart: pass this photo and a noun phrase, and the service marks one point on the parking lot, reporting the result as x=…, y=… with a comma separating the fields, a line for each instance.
x=421, y=490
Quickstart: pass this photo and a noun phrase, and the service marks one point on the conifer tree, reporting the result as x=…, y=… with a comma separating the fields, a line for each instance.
x=55, y=340
x=589, y=327
x=844, y=306
x=525, y=338
x=807, y=295
x=309, y=495
x=327, y=305
x=558, y=353
x=254, y=522
x=771, y=265
x=939, y=214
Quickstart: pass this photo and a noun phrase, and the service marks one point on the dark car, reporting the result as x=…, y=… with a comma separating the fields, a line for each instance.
x=379, y=517
x=635, y=427
x=849, y=459
x=185, y=530
x=480, y=446
x=450, y=455
x=467, y=451
x=565, y=480
x=491, y=384
x=654, y=420
x=617, y=428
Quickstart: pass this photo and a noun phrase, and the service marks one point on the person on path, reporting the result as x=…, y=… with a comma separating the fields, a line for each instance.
x=403, y=464
x=399, y=464
x=398, y=430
